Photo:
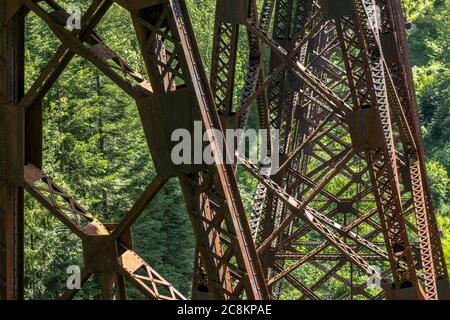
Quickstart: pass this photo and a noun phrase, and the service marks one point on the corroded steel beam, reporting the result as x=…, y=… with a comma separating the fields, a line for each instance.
x=347, y=83
x=350, y=196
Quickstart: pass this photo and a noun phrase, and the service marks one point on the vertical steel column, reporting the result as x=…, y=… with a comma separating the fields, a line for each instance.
x=11, y=150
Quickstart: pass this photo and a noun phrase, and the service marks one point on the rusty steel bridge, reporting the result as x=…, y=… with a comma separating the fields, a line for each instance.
x=334, y=77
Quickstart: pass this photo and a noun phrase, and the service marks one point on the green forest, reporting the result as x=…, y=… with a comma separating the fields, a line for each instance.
x=95, y=148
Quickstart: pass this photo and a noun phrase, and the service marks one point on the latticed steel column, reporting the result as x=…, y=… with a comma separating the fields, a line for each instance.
x=211, y=193
x=347, y=100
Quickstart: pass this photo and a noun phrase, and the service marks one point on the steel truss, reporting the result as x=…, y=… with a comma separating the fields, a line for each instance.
x=350, y=201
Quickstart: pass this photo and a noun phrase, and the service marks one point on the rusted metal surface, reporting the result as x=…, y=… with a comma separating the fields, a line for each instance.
x=351, y=193
x=347, y=98
x=108, y=252
x=12, y=122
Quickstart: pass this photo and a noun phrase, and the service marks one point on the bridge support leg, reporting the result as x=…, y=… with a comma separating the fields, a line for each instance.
x=443, y=287
x=11, y=151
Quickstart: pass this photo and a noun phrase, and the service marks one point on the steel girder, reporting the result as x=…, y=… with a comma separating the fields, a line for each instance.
x=12, y=148
x=213, y=202
x=350, y=196
x=174, y=72
x=350, y=128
